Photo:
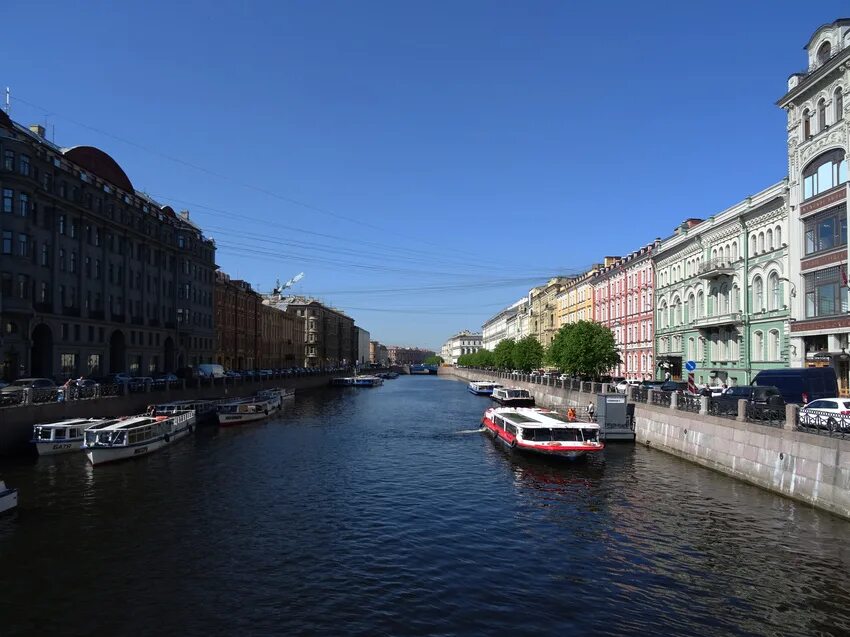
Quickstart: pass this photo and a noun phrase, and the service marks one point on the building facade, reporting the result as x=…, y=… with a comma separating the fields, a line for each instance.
x=465, y=342
x=407, y=355
x=623, y=302
x=544, y=318
x=364, y=353
x=720, y=294
x=817, y=105
x=330, y=339
x=239, y=333
x=95, y=276
x=575, y=303
x=501, y=326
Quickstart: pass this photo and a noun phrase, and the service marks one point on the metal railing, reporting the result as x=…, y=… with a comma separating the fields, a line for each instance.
x=825, y=423
x=688, y=402
x=640, y=394
x=766, y=415
x=722, y=408
x=661, y=398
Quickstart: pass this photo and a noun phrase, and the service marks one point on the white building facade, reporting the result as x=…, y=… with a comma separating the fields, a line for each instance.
x=503, y=325
x=818, y=108
x=362, y=346
x=464, y=342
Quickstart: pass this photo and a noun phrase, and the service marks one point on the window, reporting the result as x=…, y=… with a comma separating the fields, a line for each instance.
x=758, y=294
x=837, y=105
x=61, y=259
x=45, y=254
x=777, y=236
x=8, y=200
x=821, y=115
x=69, y=364
x=826, y=231
x=24, y=165
x=807, y=124
x=23, y=245
x=23, y=287
x=94, y=364
x=44, y=293
x=824, y=53
x=773, y=345
x=73, y=268
x=824, y=296
x=757, y=347
x=61, y=224
x=825, y=172
x=9, y=160
x=775, y=299
x=7, y=242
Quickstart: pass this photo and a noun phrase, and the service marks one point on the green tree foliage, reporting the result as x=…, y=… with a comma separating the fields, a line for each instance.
x=503, y=354
x=528, y=354
x=481, y=358
x=433, y=360
x=584, y=349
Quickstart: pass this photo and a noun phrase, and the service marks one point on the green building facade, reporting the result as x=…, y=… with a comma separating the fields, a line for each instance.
x=722, y=294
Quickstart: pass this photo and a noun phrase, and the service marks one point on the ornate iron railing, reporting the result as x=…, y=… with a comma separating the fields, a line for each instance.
x=640, y=394
x=825, y=423
x=766, y=415
x=688, y=402
x=661, y=398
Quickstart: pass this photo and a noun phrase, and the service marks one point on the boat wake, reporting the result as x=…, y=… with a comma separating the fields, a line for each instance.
x=471, y=431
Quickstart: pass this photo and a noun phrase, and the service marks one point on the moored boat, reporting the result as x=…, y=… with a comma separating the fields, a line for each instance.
x=482, y=387
x=357, y=381
x=513, y=397
x=8, y=498
x=204, y=409
x=243, y=410
x=542, y=432
x=63, y=436
x=135, y=436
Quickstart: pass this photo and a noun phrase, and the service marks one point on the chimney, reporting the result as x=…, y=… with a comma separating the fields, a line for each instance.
x=38, y=129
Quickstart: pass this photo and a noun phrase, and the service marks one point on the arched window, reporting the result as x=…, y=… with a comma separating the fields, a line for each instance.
x=757, y=347
x=678, y=308
x=758, y=294
x=734, y=301
x=700, y=304
x=775, y=301
x=768, y=239
x=773, y=345
x=821, y=114
x=727, y=253
x=753, y=245
x=825, y=172
x=838, y=105
x=662, y=315
x=807, y=124
x=824, y=52
x=649, y=362
x=723, y=300
x=761, y=242
x=734, y=251
x=692, y=308
x=692, y=350
x=714, y=253
x=732, y=347
x=777, y=236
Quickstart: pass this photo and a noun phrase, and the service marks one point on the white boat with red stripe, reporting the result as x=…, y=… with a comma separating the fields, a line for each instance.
x=542, y=431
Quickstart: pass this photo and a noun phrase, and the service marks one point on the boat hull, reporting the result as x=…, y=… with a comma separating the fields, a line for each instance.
x=515, y=402
x=52, y=448
x=480, y=392
x=103, y=455
x=228, y=420
x=8, y=500
x=552, y=450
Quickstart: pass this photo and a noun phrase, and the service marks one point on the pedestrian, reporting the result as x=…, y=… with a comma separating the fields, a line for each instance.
x=591, y=410
x=667, y=376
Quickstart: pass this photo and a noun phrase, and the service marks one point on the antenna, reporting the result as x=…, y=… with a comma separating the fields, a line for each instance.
x=8, y=97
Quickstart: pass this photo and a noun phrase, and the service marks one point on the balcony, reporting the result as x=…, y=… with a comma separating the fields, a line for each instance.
x=714, y=268
x=731, y=318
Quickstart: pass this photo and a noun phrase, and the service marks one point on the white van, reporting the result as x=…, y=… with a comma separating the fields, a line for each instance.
x=210, y=370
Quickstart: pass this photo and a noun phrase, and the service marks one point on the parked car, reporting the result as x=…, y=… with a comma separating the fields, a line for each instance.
x=231, y=374
x=161, y=380
x=139, y=383
x=623, y=385
x=766, y=396
x=210, y=370
x=42, y=390
x=651, y=384
x=827, y=413
x=800, y=385
x=674, y=386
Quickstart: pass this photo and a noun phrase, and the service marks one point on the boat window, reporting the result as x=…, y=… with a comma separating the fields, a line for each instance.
x=510, y=429
x=59, y=433
x=499, y=422
x=43, y=434
x=567, y=435
x=590, y=435
x=73, y=433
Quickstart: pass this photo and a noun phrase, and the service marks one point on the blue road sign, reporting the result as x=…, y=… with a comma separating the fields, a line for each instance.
x=690, y=366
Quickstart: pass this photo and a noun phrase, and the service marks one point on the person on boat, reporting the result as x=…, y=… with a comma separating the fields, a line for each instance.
x=571, y=414
x=591, y=410
x=151, y=410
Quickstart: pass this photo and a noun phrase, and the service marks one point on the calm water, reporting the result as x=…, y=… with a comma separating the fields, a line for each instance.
x=383, y=512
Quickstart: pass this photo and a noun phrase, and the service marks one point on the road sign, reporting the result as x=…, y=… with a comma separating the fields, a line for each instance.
x=690, y=366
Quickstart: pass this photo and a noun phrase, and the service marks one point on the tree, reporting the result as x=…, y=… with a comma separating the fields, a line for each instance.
x=484, y=358
x=528, y=354
x=433, y=360
x=584, y=349
x=503, y=353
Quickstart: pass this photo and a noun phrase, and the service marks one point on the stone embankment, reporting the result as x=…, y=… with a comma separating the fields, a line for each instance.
x=16, y=422
x=808, y=467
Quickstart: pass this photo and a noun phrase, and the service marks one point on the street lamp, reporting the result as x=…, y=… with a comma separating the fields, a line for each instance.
x=791, y=283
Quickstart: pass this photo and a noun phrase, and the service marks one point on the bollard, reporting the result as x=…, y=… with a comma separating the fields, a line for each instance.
x=649, y=394
x=703, y=405
x=742, y=410
x=147, y=387
x=674, y=400
x=27, y=396
x=792, y=412
x=183, y=384
x=125, y=388
x=630, y=393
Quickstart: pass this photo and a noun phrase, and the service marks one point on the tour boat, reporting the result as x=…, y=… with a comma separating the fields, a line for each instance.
x=357, y=381
x=135, y=436
x=513, y=397
x=264, y=404
x=8, y=498
x=542, y=431
x=205, y=410
x=482, y=387
x=63, y=436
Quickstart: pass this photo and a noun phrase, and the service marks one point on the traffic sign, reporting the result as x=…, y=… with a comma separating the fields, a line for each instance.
x=690, y=366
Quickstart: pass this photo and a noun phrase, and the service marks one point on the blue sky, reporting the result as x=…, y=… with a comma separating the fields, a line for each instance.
x=423, y=164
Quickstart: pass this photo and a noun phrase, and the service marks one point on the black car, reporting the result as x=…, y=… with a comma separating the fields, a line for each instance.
x=42, y=390
x=674, y=386
x=764, y=396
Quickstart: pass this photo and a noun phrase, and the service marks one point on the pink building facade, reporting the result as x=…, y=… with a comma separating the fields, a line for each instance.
x=623, y=302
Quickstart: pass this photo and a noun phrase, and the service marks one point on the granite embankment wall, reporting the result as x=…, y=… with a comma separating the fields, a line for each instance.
x=16, y=422
x=804, y=466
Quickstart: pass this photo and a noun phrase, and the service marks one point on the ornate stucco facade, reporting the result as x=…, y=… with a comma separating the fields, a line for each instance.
x=818, y=107
x=720, y=293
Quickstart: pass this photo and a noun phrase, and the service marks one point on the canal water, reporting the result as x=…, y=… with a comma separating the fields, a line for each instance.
x=385, y=512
